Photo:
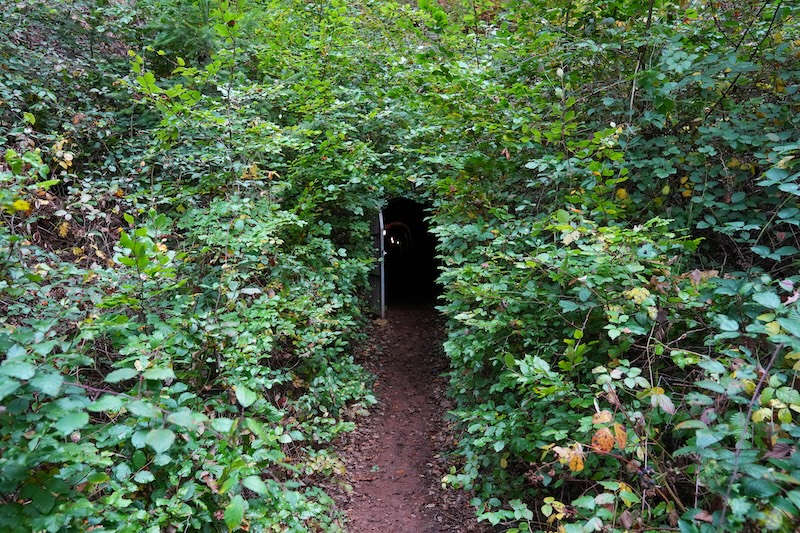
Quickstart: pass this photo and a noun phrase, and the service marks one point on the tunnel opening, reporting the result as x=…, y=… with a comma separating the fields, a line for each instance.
x=410, y=262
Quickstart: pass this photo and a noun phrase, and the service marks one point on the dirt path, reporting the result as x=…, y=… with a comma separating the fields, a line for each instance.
x=395, y=459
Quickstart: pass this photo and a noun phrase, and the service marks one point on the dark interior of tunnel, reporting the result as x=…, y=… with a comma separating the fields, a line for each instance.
x=410, y=264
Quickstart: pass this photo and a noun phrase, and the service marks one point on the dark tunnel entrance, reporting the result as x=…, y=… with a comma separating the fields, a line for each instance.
x=409, y=261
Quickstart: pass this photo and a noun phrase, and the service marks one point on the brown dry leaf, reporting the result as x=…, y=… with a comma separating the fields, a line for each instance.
x=210, y=482
x=626, y=519
x=603, y=440
x=699, y=276
x=613, y=399
x=602, y=417
x=620, y=435
x=704, y=516
x=780, y=451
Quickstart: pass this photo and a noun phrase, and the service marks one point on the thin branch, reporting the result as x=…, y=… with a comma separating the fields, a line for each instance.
x=730, y=87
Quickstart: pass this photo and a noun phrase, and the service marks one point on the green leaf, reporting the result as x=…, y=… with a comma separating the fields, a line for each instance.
x=792, y=325
x=144, y=476
x=183, y=418
x=71, y=422
x=788, y=395
x=767, y=299
x=160, y=440
x=17, y=369
x=121, y=375
x=705, y=438
x=107, y=402
x=122, y=471
x=144, y=409
x=138, y=439
x=221, y=424
x=628, y=497
x=728, y=324
x=245, y=396
x=234, y=512
x=760, y=488
x=48, y=384
x=715, y=367
x=568, y=306
x=159, y=373
x=794, y=497
x=7, y=386
x=256, y=484
x=587, y=502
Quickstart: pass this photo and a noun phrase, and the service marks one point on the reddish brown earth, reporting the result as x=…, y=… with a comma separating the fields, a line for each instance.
x=396, y=458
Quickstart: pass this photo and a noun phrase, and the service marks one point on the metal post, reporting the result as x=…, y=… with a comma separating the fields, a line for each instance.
x=378, y=274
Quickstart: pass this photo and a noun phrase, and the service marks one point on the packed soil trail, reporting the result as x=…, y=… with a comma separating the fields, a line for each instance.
x=396, y=458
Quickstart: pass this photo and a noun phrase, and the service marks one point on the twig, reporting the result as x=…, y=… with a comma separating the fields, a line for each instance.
x=750, y=58
x=639, y=60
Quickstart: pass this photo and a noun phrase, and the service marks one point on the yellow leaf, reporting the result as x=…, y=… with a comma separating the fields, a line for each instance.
x=773, y=328
x=576, y=462
x=63, y=229
x=21, y=205
x=637, y=294
x=77, y=251
x=762, y=414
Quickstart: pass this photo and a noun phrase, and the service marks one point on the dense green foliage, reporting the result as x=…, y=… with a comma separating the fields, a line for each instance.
x=187, y=192
x=181, y=277
x=617, y=205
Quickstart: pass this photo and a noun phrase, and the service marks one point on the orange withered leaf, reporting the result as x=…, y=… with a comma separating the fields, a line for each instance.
x=603, y=440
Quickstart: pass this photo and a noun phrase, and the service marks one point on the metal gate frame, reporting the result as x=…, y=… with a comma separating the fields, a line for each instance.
x=377, y=278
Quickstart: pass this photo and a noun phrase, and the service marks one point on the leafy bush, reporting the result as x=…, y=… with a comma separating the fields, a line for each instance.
x=177, y=323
